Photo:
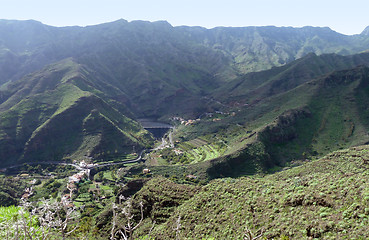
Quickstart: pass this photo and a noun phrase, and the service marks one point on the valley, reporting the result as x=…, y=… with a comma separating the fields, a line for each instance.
x=190, y=133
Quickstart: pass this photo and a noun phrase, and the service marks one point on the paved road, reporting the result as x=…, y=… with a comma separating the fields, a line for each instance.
x=78, y=167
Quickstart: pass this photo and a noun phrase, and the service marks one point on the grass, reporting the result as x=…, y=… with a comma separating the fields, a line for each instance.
x=203, y=153
x=193, y=151
x=108, y=175
x=198, y=142
x=10, y=217
x=8, y=213
x=84, y=197
x=130, y=164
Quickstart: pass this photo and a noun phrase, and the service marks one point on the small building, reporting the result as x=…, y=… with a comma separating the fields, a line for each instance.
x=191, y=176
x=146, y=171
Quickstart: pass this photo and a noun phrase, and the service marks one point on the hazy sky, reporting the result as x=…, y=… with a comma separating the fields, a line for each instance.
x=344, y=16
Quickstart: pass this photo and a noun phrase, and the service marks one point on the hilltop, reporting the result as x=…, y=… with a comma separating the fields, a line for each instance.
x=61, y=113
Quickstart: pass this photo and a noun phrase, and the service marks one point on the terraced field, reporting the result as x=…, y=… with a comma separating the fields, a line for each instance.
x=198, y=142
x=198, y=150
x=127, y=157
x=83, y=197
x=205, y=148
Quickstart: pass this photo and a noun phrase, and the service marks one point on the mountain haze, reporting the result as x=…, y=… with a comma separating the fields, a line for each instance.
x=365, y=31
x=108, y=74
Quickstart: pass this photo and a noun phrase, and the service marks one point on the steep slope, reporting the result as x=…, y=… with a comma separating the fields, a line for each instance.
x=314, y=118
x=47, y=117
x=142, y=69
x=26, y=46
x=259, y=48
x=325, y=198
x=253, y=87
x=334, y=117
x=155, y=63
x=365, y=31
x=152, y=63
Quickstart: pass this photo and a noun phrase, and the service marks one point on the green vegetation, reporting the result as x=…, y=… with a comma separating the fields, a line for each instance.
x=325, y=198
x=8, y=213
x=86, y=126
x=11, y=190
x=189, y=79
x=259, y=115
x=313, y=119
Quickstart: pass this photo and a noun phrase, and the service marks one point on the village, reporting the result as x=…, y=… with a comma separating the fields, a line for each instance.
x=214, y=116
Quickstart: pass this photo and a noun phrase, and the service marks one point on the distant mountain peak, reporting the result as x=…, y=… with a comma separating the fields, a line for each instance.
x=30, y=21
x=159, y=23
x=366, y=31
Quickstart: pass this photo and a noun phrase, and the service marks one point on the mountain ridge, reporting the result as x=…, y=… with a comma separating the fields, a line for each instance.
x=59, y=120
x=365, y=31
x=217, y=37
x=268, y=128
x=155, y=70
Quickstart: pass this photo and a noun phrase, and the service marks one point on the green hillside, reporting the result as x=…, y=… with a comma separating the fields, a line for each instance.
x=253, y=87
x=333, y=119
x=325, y=199
x=259, y=48
x=156, y=66
x=268, y=135
x=48, y=117
x=319, y=116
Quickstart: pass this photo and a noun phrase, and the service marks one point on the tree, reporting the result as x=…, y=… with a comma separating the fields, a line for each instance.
x=125, y=209
x=34, y=221
x=250, y=236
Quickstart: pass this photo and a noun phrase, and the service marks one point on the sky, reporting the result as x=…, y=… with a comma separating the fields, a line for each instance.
x=344, y=16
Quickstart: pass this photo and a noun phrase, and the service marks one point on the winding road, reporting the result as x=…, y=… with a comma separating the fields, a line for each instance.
x=139, y=158
x=79, y=167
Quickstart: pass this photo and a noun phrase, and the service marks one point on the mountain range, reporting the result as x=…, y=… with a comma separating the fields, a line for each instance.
x=268, y=134
x=77, y=92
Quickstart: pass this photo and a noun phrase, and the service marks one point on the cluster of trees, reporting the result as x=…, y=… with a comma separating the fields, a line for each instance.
x=171, y=157
x=46, y=219
x=43, y=169
x=50, y=219
x=11, y=190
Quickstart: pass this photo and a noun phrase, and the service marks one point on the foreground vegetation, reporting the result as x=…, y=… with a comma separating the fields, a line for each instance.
x=325, y=198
